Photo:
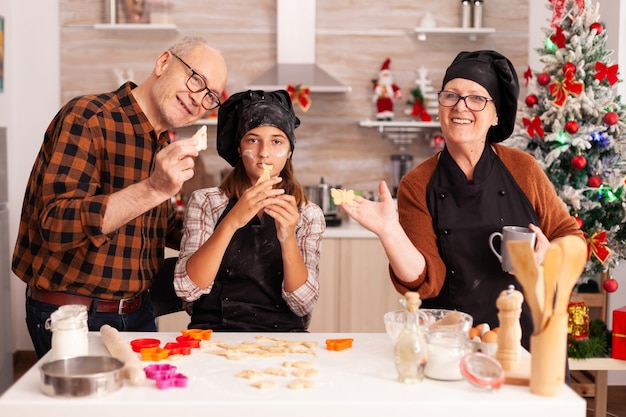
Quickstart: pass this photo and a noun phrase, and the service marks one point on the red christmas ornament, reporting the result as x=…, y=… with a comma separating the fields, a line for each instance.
x=543, y=78
x=594, y=181
x=579, y=162
x=569, y=68
x=597, y=26
x=610, y=285
x=611, y=118
x=531, y=100
x=571, y=127
x=579, y=221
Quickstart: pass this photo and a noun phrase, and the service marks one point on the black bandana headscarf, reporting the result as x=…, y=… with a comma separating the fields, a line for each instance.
x=249, y=109
x=497, y=75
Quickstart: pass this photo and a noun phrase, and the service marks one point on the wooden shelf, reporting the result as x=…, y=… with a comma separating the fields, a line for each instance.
x=163, y=27
x=472, y=33
x=383, y=125
x=401, y=132
x=210, y=121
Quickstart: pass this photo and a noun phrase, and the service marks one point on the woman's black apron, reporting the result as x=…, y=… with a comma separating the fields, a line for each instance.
x=464, y=215
x=246, y=294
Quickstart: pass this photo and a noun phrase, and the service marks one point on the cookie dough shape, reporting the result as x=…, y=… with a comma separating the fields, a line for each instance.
x=201, y=136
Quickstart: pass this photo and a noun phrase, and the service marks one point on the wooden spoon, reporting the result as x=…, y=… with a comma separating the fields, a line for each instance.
x=530, y=276
x=552, y=264
x=574, y=251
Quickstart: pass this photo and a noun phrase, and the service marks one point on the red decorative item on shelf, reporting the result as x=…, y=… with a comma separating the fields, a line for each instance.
x=618, y=345
x=611, y=118
x=578, y=320
x=543, y=78
x=597, y=26
x=531, y=100
x=571, y=127
x=594, y=181
x=579, y=162
x=610, y=285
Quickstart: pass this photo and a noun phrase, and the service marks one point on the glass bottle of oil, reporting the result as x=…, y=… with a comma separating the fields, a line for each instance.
x=410, y=351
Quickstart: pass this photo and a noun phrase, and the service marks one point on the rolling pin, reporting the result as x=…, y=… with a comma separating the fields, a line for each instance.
x=120, y=349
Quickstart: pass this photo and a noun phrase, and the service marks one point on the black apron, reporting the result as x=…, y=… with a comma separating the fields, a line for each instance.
x=247, y=292
x=464, y=215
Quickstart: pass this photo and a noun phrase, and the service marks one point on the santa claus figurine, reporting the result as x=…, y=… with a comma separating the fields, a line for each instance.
x=385, y=92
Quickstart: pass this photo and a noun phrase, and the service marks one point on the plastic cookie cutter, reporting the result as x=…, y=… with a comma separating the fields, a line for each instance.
x=338, y=344
x=156, y=370
x=154, y=354
x=165, y=376
x=139, y=344
x=186, y=340
x=176, y=380
x=176, y=348
x=198, y=333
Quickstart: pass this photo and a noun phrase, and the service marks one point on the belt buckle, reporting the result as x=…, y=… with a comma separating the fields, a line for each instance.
x=122, y=303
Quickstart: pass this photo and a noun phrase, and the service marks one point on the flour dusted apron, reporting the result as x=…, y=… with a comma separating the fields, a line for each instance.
x=464, y=215
x=246, y=294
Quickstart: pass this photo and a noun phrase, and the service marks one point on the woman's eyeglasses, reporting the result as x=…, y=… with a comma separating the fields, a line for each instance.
x=472, y=101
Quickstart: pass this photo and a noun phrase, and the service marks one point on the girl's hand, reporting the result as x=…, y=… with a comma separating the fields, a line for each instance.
x=285, y=214
x=253, y=200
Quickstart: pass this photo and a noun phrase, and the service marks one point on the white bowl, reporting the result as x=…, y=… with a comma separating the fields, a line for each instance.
x=435, y=318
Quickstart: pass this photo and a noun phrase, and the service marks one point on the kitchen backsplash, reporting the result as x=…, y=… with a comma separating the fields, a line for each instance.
x=353, y=38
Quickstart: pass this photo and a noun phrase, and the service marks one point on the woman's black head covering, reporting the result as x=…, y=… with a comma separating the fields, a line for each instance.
x=249, y=109
x=497, y=75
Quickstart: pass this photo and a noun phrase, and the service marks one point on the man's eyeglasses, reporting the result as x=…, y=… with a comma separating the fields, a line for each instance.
x=472, y=102
x=195, y=84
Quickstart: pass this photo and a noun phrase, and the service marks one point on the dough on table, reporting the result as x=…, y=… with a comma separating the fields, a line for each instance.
x=305, y=373
x=250, y=374
x=301, y=384
x=264, y=384
x=276, y=371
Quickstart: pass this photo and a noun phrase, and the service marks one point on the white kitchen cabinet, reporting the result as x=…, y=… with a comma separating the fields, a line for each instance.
x=355, y=289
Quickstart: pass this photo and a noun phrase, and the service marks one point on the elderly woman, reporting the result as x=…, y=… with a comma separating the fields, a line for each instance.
x=450, y=204
x=249, y=258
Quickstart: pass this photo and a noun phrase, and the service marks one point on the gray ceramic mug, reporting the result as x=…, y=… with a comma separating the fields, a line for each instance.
x=510, y=233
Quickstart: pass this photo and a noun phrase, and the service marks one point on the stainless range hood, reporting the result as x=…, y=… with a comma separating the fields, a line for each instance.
x=295, y=53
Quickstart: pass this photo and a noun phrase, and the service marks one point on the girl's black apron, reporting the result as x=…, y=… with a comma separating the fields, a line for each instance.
x=246, y=294
x=464, y=215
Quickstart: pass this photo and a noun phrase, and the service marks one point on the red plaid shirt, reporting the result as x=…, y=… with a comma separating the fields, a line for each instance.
x=96, y=145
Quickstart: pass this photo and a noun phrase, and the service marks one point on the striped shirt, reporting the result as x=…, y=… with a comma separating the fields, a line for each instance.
x=202, y=213
x=95, y=145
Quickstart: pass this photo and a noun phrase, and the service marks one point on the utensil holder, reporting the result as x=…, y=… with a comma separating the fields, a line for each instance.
x=548, y=352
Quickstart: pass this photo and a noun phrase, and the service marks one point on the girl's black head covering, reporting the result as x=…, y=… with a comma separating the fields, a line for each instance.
x=249, y=109
x=497, y=75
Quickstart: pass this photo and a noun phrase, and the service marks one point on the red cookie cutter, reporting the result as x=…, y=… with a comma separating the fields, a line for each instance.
x=139, y=344
x=177, y=348
x=186, y=340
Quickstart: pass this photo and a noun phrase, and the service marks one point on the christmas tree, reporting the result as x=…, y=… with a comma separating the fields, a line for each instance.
x=574, y=125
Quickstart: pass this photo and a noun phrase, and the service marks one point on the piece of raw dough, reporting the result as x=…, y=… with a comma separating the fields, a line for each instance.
x=267, y=170
x=201, y=136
